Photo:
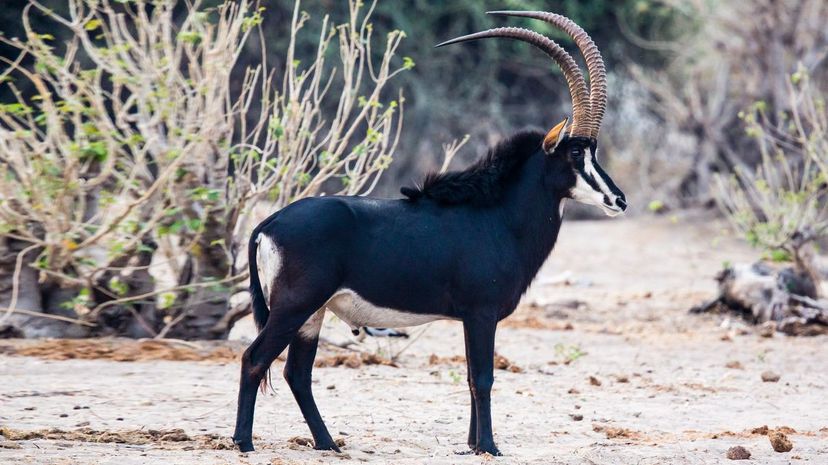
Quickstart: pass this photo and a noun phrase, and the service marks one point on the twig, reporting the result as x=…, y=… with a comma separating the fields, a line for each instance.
x=18, y=266
x=95, y=311
x=49, y=316
x=410, y=343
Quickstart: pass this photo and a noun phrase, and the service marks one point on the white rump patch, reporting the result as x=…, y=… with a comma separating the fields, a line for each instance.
x=269, y=261
x=357, y=312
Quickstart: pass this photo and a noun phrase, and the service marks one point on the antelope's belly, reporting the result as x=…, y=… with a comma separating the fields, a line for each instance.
x=355, y=311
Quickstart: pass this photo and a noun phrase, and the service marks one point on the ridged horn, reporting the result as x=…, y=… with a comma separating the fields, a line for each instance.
x=581, y=113
x=592, y=57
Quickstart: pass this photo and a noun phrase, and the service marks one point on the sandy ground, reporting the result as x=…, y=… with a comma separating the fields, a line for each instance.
x=609, y=305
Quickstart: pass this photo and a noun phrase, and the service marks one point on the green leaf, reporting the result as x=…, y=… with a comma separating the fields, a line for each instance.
x=655, y=206
x=92, y=24
x=189, y=37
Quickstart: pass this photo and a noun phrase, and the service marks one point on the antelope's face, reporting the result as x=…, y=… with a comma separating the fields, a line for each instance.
x=592, y=185
x=586, y=182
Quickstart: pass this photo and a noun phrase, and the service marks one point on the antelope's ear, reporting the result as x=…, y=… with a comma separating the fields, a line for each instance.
x=554, y=136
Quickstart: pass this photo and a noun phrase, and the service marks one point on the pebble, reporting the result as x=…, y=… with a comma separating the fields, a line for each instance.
x=770, y=377
x=738, y=453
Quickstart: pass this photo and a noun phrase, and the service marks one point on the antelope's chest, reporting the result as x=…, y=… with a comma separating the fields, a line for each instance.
x=356, y=311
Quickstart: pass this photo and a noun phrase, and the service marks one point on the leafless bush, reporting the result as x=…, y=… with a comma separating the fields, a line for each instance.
x=136, y=155
x=782, y=205
x=721, y=57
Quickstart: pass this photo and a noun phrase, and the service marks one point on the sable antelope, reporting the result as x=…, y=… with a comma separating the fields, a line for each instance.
x=464, y=247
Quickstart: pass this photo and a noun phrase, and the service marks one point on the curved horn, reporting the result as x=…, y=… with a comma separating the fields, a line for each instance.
x=594, y=62
x=581, y=114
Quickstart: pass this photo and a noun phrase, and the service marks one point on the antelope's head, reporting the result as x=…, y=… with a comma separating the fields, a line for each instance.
x=575, y=143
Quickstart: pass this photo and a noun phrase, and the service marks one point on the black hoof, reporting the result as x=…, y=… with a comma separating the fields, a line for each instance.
x=244, y=445
x=327, y=446
x=491, y=450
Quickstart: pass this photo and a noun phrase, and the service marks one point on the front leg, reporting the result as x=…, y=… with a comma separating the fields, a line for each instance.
x=472, y=441
x=479, y=330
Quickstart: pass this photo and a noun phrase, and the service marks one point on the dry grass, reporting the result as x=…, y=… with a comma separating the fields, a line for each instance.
x=123, y=350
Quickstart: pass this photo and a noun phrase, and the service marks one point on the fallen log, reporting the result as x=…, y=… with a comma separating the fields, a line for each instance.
x=763, y=292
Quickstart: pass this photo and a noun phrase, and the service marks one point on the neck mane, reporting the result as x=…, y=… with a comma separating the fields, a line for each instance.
x=485, y=182
x=520, y=184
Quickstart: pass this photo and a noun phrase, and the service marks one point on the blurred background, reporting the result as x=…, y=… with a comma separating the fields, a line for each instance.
x=701, y=94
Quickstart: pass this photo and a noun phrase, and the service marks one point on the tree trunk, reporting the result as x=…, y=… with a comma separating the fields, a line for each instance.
x=28, y=292
x=138, y=318
x=203, y=307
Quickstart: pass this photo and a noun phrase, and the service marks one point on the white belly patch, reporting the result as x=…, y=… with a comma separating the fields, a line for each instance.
x=356, y=312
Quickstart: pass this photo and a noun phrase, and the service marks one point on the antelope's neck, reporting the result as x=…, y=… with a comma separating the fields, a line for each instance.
x=535, y=214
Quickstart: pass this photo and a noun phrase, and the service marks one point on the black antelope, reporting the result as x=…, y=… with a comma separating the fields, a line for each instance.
x=463, y=247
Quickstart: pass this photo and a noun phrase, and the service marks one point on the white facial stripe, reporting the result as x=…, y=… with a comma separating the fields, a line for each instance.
x=585, y=193
x=590, y=169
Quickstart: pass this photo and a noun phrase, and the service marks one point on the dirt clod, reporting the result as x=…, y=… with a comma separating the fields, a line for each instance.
x=594, y=381
x=133, y=437
x=503, y=363
x=352, y=360
x=8, y=444
x=300, y=441
x=124, y=350
x=435, y=359
x=767, y=329
x=613, y=432
x=738, y=453
x=762, y=430
x=734, y=365
x=770, y=377
x=780, y=442
x=576, y=416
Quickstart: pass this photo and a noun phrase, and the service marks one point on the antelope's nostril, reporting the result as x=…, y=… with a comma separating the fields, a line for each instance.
x=621, y=203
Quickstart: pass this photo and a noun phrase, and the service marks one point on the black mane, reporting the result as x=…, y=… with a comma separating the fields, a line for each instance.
x=483, y=182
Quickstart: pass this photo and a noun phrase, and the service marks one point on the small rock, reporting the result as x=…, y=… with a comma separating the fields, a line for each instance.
x=331, y=387
x=770, y=377
x=573, y=391
x=767, y=329
x=734, y=365
x=762, y=430
x=780, y=442
x=738, y=453
x=622, y=379
x=576, y=416
x=300, y=441
x=594, y=381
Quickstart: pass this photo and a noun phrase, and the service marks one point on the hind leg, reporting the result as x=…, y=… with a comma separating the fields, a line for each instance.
x=286, y=317
x=297, y=373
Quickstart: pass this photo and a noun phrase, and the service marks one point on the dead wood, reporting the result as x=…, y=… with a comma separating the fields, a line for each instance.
x=764, y=292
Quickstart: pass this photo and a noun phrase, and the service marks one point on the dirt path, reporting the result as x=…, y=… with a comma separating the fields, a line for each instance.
x=611, y=302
